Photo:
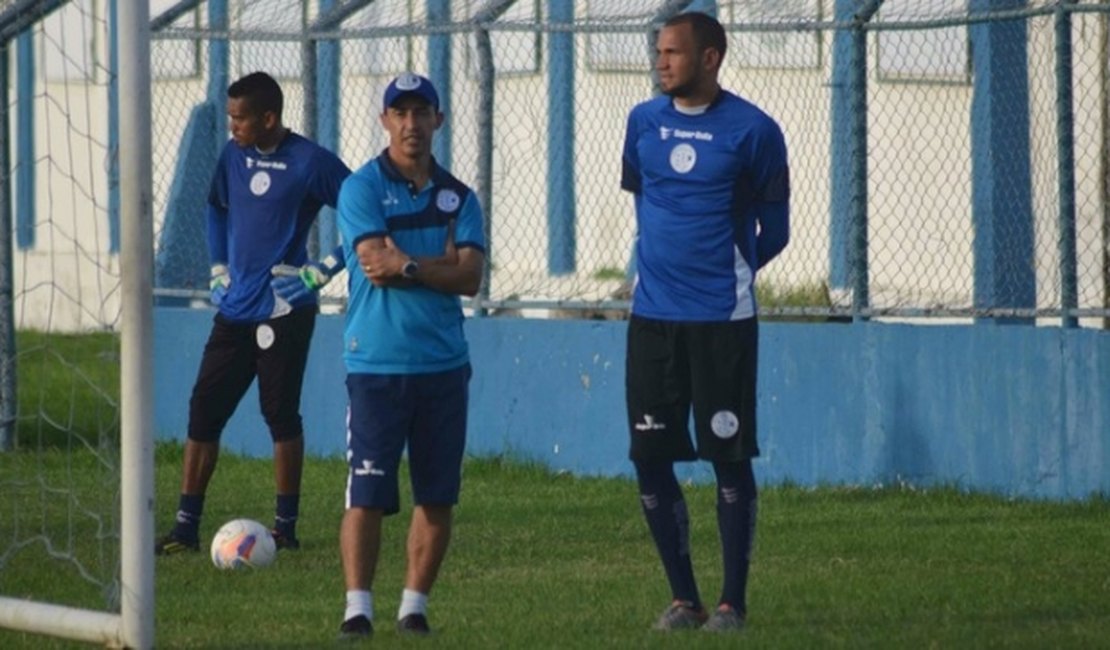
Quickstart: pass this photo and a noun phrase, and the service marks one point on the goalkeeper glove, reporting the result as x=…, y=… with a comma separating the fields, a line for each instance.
x=295, y=283
x=219, y=283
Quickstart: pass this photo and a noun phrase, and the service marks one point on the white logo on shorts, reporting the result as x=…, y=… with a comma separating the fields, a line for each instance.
x=368, y=469
x=724, y=424
x=649, y=424
x=683, y=157
x=260, y=183
x=264, y=336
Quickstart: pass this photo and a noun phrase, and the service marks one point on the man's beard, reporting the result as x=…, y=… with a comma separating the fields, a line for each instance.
x=683, y=90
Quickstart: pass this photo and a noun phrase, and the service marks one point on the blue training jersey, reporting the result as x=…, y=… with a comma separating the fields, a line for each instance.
x=260, y=209
x=712, y=206
x=404, y=330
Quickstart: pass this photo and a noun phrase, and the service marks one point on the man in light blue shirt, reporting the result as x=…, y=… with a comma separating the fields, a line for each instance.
x=413, y=239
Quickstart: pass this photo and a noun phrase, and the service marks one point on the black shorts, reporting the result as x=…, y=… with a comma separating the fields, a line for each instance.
x=710, y=366
x=276, y=351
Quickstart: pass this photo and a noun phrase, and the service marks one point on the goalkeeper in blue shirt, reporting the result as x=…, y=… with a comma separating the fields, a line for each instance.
x=416, y=244
x=265, y=193
x=709, y=178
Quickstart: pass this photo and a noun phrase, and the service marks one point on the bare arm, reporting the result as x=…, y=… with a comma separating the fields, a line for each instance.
x=456, y=272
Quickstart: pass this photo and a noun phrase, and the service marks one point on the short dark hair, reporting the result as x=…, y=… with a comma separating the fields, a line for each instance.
x=260, y=91
x=708, y=33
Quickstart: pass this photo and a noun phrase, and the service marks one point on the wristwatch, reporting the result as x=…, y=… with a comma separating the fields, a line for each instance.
x=409, y=269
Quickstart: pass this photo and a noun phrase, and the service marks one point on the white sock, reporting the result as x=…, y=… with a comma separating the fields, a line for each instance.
x=412, y=602
x=359, y=602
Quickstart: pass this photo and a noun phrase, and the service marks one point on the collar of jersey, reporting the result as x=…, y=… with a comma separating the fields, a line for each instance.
x=253, y=150
x=713, y=104
x=392, y=173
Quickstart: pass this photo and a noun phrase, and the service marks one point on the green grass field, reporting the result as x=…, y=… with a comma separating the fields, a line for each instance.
x=551, y=561
x=68, y=387
x=541, y=560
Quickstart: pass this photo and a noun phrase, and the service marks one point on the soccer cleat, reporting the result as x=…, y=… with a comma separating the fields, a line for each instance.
x=725, y=619
x=414, y=624
x=680, y=615
x=356, y=628
x=283, y=543
x=172, y=545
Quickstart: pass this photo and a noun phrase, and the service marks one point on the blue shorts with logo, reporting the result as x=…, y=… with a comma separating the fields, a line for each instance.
x=425, y=413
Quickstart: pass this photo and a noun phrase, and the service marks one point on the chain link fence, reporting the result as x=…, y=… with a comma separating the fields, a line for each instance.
x=948, y=157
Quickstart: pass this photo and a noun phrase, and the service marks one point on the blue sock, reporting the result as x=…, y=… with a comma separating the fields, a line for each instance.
x=736, y=513
x=187, y=523
x=665, y=510
x=285, y=521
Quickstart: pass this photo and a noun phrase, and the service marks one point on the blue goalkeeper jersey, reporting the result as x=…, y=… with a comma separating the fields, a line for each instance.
x=260, y=209
x=404, y=330
x=711, y=193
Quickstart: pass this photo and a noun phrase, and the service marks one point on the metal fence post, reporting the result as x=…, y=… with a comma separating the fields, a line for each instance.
x=8, y=392
x=1065, y=166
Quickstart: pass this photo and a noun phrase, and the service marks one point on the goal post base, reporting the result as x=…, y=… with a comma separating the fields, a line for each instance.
x=60, y=621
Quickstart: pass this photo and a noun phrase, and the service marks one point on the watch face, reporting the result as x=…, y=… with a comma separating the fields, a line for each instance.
x=409, y=269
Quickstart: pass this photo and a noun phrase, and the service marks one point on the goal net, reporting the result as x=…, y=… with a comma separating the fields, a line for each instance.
x=72, y=470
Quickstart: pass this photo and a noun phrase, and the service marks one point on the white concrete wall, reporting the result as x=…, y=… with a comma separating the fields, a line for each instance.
x=919, y=169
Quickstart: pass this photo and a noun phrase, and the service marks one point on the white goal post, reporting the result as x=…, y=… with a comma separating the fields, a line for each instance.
x=133, y=626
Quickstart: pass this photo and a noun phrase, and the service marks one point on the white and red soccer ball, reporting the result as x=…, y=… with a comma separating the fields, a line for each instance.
x=243, y=543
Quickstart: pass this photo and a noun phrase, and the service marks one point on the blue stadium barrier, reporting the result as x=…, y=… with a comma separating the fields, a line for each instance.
x=1013, y=410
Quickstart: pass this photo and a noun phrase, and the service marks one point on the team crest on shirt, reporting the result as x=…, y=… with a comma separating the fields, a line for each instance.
x=260, y=183
x=683, y=157
x=447, y=200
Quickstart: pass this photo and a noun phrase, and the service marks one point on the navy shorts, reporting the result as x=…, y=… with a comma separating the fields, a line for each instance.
x=387, y=413
x=710, y=366
x=276, y=351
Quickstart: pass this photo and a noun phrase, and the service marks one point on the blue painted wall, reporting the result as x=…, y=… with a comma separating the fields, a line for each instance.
x=1013, y=410
x=326, y=129
x=439, y=73
x=25, y=142
x=843, y=148
x=182, y=260
x=562, y=248
x=1001, y=174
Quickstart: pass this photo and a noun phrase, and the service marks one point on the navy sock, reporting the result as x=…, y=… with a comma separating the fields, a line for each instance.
x=665, y=511
x=285, y=521
x=736, y=513
x=187, y=523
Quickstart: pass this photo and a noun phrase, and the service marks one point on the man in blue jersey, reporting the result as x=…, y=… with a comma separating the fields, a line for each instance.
x=268, y=186
x=416, y=234
x=709, y=177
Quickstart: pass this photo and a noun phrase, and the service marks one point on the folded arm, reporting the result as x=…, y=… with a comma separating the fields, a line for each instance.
x=457, y=271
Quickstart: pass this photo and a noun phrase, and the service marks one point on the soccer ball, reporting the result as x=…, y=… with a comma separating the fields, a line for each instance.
x=243, y=542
